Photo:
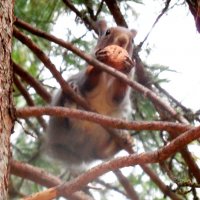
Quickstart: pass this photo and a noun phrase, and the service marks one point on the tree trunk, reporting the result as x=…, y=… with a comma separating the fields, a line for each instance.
x=6, y=103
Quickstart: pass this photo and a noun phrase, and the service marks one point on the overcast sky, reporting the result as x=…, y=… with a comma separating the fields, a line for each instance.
x=176, y=43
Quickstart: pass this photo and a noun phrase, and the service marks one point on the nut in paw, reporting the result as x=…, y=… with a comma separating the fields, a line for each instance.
x=116, y=57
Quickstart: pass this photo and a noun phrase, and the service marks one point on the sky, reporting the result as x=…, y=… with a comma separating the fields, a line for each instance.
x=176, y=44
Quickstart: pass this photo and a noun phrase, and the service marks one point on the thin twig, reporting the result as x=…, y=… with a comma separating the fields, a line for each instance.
x=127, y=186
x=88, y=23
x=28, y=98
x=155, y=22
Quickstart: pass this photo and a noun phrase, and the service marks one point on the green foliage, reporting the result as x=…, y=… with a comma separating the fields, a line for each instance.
x=30, y=11
x=156, y=71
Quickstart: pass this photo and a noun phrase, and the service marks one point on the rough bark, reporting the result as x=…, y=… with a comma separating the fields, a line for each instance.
x=6, y=105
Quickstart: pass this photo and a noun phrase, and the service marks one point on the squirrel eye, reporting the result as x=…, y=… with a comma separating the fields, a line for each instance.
x=107, y=32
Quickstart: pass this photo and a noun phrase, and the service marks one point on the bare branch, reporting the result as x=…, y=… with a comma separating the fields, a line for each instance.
x=126, y=184
x=23, y=91
x=28, y=98
x=99, y=9
x=32, y=81
x=156, y=21
x=41, y=177
x=154, y=177
x=135, y=159
x=100, y=119
x=107, y=121
x=170, y=97
x=152, y=157
x=88, y=23
x=116, y=12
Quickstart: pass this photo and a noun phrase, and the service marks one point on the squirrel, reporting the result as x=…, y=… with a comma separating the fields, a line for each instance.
x=76, y=141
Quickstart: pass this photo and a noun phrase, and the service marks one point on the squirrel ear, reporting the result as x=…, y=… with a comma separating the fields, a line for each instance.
x=101, y=27
x=134, y=32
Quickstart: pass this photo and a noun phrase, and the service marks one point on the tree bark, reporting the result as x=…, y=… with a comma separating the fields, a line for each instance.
x=6, y=103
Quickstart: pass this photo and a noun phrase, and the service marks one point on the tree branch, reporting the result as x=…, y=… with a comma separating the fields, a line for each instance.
x=41, y=177
x=100, y=119
x=164, y=10
x=154, y=177
x=88, y=23
x=126, y=184
x=32, y=81
x=191, y=163
x=116, y=12
x=143, y=158
x=170, y=97
x=28, y=98
x=108, y=121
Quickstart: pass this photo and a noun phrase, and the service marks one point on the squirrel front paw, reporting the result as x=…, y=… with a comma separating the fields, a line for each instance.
x=116, y=57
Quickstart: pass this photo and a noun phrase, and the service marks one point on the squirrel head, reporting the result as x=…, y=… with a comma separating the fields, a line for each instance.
x=120, y=36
